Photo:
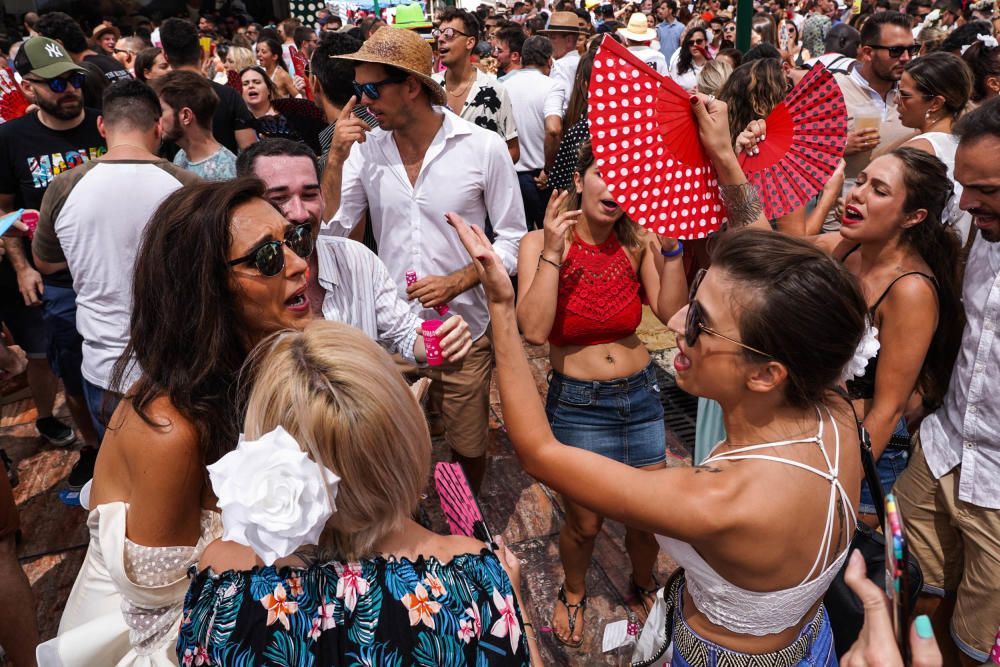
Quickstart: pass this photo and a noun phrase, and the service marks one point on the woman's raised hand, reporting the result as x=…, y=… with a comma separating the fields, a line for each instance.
x=492, y=274
x=557, y=223
x=754, y=133
x=712, y=117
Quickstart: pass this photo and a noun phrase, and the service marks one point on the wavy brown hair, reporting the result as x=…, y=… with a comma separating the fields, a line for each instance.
x=752, y=91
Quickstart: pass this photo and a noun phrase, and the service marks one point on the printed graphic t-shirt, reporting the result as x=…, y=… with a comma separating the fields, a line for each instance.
x=31, y=155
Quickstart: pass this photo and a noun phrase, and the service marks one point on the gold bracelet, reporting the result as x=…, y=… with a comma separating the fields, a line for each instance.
x=543, y=258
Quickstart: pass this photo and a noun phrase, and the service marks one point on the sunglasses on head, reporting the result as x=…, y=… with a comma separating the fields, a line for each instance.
x=897, y=51
x=448, y=33
x=269, y=257
x=695, y=323
x=372, y=89
x=60, y=84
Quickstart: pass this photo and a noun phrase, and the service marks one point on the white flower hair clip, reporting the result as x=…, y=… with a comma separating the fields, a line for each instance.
x=989, y=42
x=866, y=350
x=274, y=498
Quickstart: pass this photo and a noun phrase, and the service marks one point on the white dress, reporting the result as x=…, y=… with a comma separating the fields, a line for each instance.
x=125, y=607
x=944, y=146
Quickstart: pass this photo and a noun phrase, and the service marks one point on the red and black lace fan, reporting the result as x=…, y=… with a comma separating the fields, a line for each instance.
x=806, y=135
x=645, y=141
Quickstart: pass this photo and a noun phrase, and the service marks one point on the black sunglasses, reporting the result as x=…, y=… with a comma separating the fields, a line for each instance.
x=75, y=79
x=269, y=257
x=372, y=89
x=695, y=323
x=897, y=51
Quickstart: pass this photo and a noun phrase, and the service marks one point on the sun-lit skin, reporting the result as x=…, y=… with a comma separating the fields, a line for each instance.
x=975, y=169
x=873, y=208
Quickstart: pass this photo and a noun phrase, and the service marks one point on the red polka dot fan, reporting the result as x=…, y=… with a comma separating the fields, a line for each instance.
x=645, y=141
x=12, y=102
x=806, y=135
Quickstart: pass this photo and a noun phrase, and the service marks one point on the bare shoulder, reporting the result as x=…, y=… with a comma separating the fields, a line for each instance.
x=533, y=239
x=451, y=546
x=222, y=555
x=161, y=436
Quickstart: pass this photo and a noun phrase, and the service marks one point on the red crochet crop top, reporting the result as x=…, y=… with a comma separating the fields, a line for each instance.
x=598, y=295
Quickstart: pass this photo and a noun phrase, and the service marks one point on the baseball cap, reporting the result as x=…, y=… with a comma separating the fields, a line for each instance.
x=45, y=58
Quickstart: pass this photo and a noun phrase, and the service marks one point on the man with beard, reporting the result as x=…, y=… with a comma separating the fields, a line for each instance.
x=871, y=91
x=470, y=92
x=949, y=494
x=507, y=44
x=91, y=224
x=188, y=104
x=34, y=149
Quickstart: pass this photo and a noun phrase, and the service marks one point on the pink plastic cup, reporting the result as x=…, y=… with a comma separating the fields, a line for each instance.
x=30, y=219
x=432, y=344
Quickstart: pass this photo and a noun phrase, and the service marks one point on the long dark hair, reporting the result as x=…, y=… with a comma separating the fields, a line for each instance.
x=685, y=61
x=984, y=63
x=576, y=108
x=928, y=187
x=943, y=74
x=274, y=46
x=752, y=91
x=799, y=305
x=185, y=333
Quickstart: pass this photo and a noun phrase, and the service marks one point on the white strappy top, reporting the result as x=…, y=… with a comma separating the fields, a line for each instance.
x=764, y=613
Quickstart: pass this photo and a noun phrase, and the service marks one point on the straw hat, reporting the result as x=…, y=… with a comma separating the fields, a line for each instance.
x=102, y=30
x=563, y=22
x=638, y=29
x=402, y=49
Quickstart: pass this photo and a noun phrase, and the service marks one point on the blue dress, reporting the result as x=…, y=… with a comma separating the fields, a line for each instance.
x=379, y=611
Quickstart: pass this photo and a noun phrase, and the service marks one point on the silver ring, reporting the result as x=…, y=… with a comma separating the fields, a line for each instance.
x=711, y=98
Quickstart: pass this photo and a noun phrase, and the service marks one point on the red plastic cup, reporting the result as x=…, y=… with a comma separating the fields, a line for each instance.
x=30, y=219
x=432, y=344
x=411, y=277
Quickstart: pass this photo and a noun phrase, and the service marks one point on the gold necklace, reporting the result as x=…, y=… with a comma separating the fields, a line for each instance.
x=464, y=90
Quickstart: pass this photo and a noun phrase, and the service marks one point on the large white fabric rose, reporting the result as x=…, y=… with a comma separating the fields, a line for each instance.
x=273, y=497
x=867, y=348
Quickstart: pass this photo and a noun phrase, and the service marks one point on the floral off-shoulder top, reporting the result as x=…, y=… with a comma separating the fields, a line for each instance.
x=383, y=612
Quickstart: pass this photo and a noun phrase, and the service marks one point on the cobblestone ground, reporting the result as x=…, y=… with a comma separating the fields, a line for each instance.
x=526, y=513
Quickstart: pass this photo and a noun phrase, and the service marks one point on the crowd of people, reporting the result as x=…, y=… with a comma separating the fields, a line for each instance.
x=242, y=247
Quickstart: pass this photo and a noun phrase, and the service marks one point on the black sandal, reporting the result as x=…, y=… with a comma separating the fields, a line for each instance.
x=644, y=594
x=571, y=617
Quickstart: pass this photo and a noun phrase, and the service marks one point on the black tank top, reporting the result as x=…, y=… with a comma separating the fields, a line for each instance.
x=864, y=387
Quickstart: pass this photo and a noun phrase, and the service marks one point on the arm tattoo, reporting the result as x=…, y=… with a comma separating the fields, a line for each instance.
x=705, y=468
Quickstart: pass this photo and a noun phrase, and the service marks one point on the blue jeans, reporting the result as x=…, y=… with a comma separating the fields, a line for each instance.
x=535, y=200
x=890, y=466
x=621, y=419
x=102, y=404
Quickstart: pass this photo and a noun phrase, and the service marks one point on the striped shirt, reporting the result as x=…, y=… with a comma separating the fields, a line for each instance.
x=360, y=292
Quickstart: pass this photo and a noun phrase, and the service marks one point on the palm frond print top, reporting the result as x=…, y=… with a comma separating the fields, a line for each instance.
x=383, y=612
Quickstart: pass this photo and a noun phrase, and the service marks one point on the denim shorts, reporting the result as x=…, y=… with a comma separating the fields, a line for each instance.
x=65, y=342
x=890, y=466
x=621, y=419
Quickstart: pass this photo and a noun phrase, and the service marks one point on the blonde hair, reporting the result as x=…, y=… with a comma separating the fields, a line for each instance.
x=340, y=396
x=713, y=76
x=242, y=57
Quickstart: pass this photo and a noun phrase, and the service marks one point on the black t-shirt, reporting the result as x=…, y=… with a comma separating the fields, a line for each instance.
x=231, y=115
x=113, y=70
x=31, y=155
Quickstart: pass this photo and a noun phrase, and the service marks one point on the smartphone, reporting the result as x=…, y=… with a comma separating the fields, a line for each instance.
x=783, y=37
x=897, y=576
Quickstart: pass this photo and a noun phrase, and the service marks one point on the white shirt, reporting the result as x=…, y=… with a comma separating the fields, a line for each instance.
x=965, y=430
x=652, y=57
x=564, y=72
x=944, y=146
x=487, y=105
x=360, y=292
x=97, y=214
x=534, y=97
x=466, y=170
x=688, y=79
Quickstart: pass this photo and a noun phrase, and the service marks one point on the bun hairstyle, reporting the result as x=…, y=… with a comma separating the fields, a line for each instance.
x=798, y=304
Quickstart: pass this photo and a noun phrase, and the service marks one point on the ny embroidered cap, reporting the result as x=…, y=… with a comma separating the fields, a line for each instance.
x=45, y=58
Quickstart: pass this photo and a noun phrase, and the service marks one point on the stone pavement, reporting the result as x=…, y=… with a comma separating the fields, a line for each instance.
x=526, y=513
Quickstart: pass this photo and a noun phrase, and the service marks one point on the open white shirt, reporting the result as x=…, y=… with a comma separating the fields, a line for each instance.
x=965, y=430
x=534, y=97
x=360, y=292
x=564, y=72
x=466, y=170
